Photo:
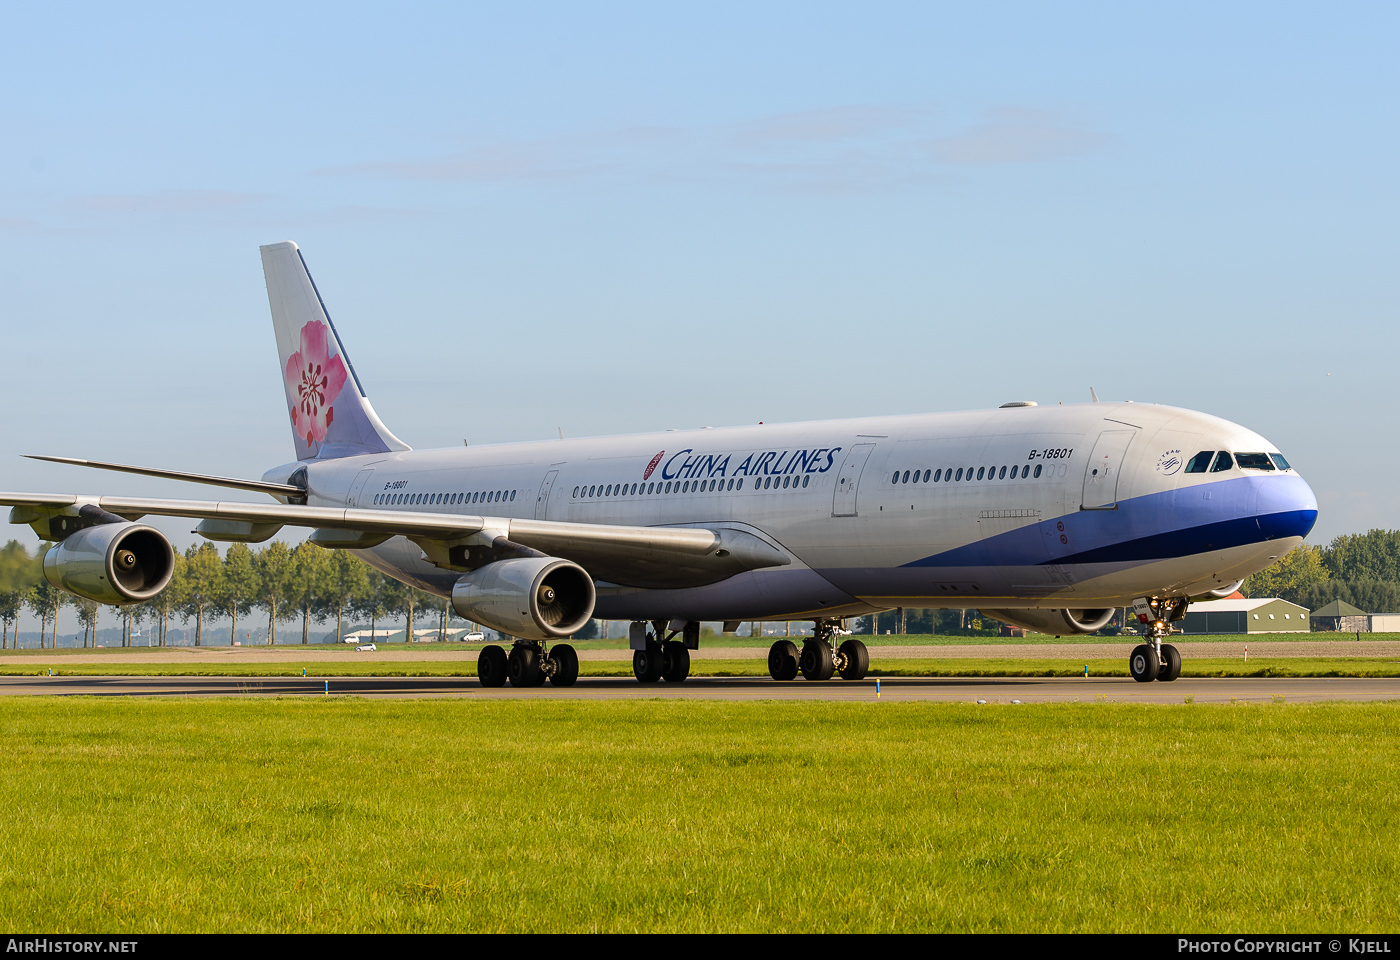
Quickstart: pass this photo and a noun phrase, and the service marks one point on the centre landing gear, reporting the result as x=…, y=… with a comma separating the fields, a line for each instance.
x=655, y=659
x=817, y=660
x=1155, y=660
x=527, y=665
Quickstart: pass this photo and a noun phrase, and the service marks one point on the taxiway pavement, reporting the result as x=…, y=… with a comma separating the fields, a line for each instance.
x=1003, y=690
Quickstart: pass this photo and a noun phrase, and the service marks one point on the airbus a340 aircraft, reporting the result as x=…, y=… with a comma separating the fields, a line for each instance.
x=1046, y=517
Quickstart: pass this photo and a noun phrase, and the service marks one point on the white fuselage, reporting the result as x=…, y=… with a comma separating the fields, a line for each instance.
x=1067, y=506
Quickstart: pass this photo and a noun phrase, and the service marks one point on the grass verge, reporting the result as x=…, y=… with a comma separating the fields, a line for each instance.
x=307, y=814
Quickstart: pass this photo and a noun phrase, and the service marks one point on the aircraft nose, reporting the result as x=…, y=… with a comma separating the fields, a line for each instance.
x=1285, y=506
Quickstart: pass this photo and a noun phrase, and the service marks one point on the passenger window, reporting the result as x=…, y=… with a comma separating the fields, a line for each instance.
x=512, y=496
x=916, y=476
x=937, y=474
x=1222, y=462
x=1037, y=469
x=575, y=493
x=895, y=478
x=806, y=480
x=959, y=476
x=1281, y=463
x=980, y=471
x=1200, y=462
x=1002, y=475
x=927, y=474
x=906, y=476
x=1254, y=461
x=740, y=484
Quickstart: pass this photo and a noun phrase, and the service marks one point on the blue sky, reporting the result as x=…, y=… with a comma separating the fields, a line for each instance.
x=610, y=218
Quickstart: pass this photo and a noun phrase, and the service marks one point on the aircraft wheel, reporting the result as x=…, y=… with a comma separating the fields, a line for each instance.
x=491, y=667
x=647, y=664
x=1172, y=669
x=675, y=662
x=1142, y=663
x=566, y=665
x=523, y=666
x=857, y=660
x=782, y=660
x=817, y=663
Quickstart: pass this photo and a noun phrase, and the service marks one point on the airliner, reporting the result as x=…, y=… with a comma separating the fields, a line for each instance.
x=1045, y=517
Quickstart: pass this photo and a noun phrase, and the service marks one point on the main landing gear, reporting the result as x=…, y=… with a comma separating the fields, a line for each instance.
x=1155, y=660
x=817, y=660
x=528, y=664
x=655, y=659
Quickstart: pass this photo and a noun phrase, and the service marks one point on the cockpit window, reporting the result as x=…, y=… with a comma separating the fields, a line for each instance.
x=1254, y=461
x=1279, y=462
x=1200, y=463
x=1222, y=462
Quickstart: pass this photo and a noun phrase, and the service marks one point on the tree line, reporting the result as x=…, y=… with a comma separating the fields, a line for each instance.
x=1362, y=569
x=285, y=584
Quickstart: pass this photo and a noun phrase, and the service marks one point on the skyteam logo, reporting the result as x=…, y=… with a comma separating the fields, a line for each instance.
x=652, y=466
x=1169, y=463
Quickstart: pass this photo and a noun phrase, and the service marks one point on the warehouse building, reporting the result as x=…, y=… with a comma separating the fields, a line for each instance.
x=1263, y=615
x=1345, y=618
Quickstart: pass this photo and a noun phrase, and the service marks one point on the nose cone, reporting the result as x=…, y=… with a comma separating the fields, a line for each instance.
x=1285, y=506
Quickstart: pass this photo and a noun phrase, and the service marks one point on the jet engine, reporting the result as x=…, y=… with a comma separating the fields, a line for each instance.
x=112, y=563
x=1057, y=622
x=534, y=598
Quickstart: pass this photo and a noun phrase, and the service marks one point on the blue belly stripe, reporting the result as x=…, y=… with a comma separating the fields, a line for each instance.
x=1202, y=539
x=1156, y=526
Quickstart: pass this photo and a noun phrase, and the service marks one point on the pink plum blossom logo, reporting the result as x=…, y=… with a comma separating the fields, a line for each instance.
x=314, y=379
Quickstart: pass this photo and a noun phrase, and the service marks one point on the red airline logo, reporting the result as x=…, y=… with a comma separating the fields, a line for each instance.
x=652, y=466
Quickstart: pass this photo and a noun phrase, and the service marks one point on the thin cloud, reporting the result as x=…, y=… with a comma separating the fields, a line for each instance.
x=1015, y=135
x=165, y=203
x=831, y=150
x=830, y=124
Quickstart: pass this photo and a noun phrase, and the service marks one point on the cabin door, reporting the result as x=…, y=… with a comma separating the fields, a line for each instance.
x=357, y=487
x=1101, y=473
x=848, y=480
x=542, y=501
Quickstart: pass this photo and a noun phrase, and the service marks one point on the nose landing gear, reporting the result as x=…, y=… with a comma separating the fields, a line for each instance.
x=1155, y=660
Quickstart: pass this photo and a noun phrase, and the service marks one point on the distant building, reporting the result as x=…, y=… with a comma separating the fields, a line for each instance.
x=1344, y=618
x=1262, y=615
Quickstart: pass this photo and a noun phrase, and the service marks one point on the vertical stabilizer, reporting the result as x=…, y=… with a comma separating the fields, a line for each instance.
x=331, y=416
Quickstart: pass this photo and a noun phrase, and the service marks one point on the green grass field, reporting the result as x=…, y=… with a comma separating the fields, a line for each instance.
x=342, y=814
x=962, y=667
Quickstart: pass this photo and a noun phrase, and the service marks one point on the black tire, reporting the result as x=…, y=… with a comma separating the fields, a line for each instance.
x=675, y=662
x=1172, y=668
x=857, y=660
x=817, y=663
x=523, y=666
x=647, y=664
x=782, y=660
x=491, y=667
x=1142, y=663
x=565, y=659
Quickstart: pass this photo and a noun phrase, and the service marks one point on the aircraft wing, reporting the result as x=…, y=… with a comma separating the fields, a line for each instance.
x=628, y=555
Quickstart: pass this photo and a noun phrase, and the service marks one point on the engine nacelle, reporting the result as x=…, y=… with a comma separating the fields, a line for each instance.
x=1056, y=622
x=534, y=598
x=112, y=563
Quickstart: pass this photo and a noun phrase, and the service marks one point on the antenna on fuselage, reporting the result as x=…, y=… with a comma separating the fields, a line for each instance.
x=1093, y=394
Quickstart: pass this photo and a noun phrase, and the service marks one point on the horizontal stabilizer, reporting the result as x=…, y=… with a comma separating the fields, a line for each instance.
x=256, y=486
